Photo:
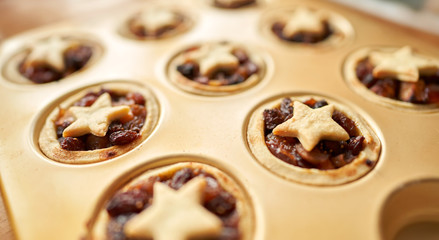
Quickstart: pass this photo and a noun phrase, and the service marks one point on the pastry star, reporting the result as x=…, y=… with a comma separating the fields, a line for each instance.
x=155, y=18
x=401, y=64
x=303, y=19
x=96, y=118
x=213, y=57
x=176, y=215
x=50, y=51
x=311, y=125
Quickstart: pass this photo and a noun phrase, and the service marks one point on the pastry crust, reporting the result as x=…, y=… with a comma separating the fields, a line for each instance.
x=351, y=78
x=209, y=90
x=243, y=207
x=11, y=68
x=50, y=146
x=361, y=165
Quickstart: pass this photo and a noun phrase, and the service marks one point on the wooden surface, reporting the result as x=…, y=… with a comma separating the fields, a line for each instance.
x=20, y=15
x=5, y=227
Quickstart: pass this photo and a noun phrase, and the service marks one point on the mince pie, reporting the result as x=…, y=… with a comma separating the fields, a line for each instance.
x=312, y=140
x=52, y=59
x=216, y=68
x=99, y=123
x=155, y=22
x=232, y=3
x=397, y=76
x=307, y=26
x=182, y=201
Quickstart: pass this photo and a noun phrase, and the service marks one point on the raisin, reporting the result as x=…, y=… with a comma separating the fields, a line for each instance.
x=284, y=148
x=364, y=72
x=286, y=108
x=132, y=201
x=229, y=233
x=94, y=142
x=251, y=67
x=241, y=55
x=355, y=145
x=180, y=178
x=72, y=144
x=432, y=91
x=189, y=70
x=222, y=204
x=60, y=126
x=138, y=111
x=369, y=163
x=277, y=28
x=231, y=220
x=115, y=126
x=76, y=57
x=332, y=147
x=109, y=91
x=148, y=185
x=235, y=79
x=202, y=80
x=386, y=88
x=320, y=104
x=123, y=137
x=272, y=118
x=87, y=100
x=212, y=188
x=346, y=123
x=115, y=227
x=136, y=97
x=413, y=92
x=40, y=73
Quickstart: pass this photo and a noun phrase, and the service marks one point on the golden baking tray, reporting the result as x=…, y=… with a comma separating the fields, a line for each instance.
x=49, y=200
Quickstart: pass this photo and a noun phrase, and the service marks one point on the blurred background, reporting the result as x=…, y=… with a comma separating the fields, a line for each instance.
x=20, y=15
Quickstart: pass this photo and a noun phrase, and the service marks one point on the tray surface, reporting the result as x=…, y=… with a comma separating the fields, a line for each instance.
x=49, y=200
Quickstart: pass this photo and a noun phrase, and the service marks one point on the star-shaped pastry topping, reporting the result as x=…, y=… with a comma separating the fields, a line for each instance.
x=50, y=51
x=401, y=64
x=153, y=19
x=212, y=57
x=176, y=215
x=96, y=118
x=311, y=125
x=303, y=19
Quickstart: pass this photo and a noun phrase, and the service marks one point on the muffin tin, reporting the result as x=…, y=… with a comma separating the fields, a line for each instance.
x=50, y=200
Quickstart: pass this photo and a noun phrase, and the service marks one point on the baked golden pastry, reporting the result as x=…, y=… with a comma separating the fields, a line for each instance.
x=155, y=22
x=400, y=77
x=181, y=201
x=312, y=140
x=216, y=68
x=51, y=59
x=99, y=123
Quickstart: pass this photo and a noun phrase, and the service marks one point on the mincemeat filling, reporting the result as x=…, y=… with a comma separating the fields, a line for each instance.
x=303, y=37
x=126, y=204
x=221, y=77
x=120, y=132
x=424, y=91
x=75, y=58
x=326, y=155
